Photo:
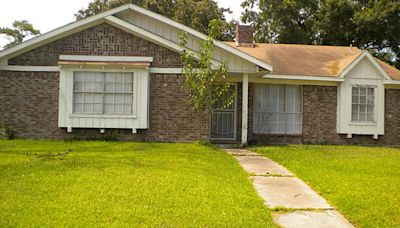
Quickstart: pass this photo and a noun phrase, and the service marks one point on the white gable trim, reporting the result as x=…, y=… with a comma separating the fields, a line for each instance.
x=365, y=54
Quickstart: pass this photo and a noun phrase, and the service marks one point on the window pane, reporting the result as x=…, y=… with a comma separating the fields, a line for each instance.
x=258, y=98
x=78, y=86
x=128, y=110
x=108, y=108
x=128, y=78
x=118, y=87
x=371, y=91
x=78, y=98
x=118, y=99
x=355, y=91
x=363, y=108
x=98, y=108
x=370, y=117
x=92, y=89
x=98, y=98
x=127, y=99
x=354, y=116
x=118, y=77
x=109, y=82
x=356, y=99
x=363, y=91
x=370, y=108
x=118, y=108
x=370, y=100
x=78, y=108
x=128, y=87
x=362, y=117
x=275, y=109
x=87, y=108
x=88, y=98
x=109, y=98
x=363, y=99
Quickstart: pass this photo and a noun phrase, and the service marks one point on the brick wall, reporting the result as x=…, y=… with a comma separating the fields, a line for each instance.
x=29, y=105
x=319, y=120
x=29, y=100
x=102, y=40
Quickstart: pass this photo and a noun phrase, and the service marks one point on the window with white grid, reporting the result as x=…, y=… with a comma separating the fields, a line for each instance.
x=277, y=109
x=363, y=104
x=103, y=93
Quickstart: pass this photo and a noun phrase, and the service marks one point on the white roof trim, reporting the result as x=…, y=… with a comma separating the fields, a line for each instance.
x=392, y=82
x=59, y=33
x=302, y=77
x=201, y=36
x=30, y=68
x=361, y=57
x=105, y=58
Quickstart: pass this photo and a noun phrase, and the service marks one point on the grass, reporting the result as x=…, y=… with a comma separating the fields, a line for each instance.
x=362, y=182
x=125, y=184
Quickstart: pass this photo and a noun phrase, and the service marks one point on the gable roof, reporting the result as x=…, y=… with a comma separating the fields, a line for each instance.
x=108, y=17
x=310, y=60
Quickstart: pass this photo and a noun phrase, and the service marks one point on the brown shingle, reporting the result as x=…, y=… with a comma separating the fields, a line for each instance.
x=309, y=60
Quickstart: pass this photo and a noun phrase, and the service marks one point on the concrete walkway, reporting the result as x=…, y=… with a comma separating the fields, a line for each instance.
x=281, y=189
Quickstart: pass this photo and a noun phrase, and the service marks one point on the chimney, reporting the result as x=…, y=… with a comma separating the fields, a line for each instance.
x=244, y=35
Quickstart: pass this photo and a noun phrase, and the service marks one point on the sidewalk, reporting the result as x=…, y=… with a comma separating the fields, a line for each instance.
x=293, y=202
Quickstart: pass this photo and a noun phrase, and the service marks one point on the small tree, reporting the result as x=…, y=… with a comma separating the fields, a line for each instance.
x=205, y=83
x=19, y=31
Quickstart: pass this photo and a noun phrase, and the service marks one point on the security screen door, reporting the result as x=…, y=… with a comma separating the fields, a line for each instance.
x=223, y=119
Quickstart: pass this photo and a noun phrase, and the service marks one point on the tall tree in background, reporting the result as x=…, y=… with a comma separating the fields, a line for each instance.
x=194, y=13
x=283, y=21
x=367, y=24
x=19, y=31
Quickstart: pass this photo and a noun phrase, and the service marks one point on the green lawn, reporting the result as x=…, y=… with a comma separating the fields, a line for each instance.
x=125, y=184
x=362, y=182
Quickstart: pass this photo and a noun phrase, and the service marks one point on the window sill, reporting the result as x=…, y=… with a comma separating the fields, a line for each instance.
x=278, y=135
x=102, y=116
x=363, y=124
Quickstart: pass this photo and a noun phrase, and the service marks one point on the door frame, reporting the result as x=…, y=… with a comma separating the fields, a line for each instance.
x=234, y=119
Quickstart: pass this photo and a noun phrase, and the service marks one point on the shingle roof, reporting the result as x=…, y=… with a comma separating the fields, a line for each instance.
x=309, y=60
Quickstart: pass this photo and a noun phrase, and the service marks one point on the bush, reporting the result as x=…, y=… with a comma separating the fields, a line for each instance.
x=9, y=133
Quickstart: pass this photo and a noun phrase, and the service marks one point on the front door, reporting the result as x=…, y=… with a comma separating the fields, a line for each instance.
x=223, y=119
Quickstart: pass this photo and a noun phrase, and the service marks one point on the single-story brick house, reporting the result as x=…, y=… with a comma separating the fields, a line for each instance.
x=119, y=74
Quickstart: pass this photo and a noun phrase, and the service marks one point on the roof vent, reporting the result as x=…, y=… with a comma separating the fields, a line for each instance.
x=244, y=35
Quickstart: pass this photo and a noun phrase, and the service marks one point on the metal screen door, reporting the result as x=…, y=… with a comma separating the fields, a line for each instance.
x=223, y=120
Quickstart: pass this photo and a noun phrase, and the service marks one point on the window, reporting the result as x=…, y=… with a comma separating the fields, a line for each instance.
x=363, y=104
x=277, y=109
x=103, y=93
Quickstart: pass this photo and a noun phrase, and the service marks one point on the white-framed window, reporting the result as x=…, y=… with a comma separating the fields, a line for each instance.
x=109, y=93
x=363, y=104
x=277, y=109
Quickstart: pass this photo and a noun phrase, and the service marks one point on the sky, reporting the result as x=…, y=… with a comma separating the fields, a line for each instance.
x=47, y=15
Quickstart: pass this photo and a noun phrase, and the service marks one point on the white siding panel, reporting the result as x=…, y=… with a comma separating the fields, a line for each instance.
x=363, y=74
